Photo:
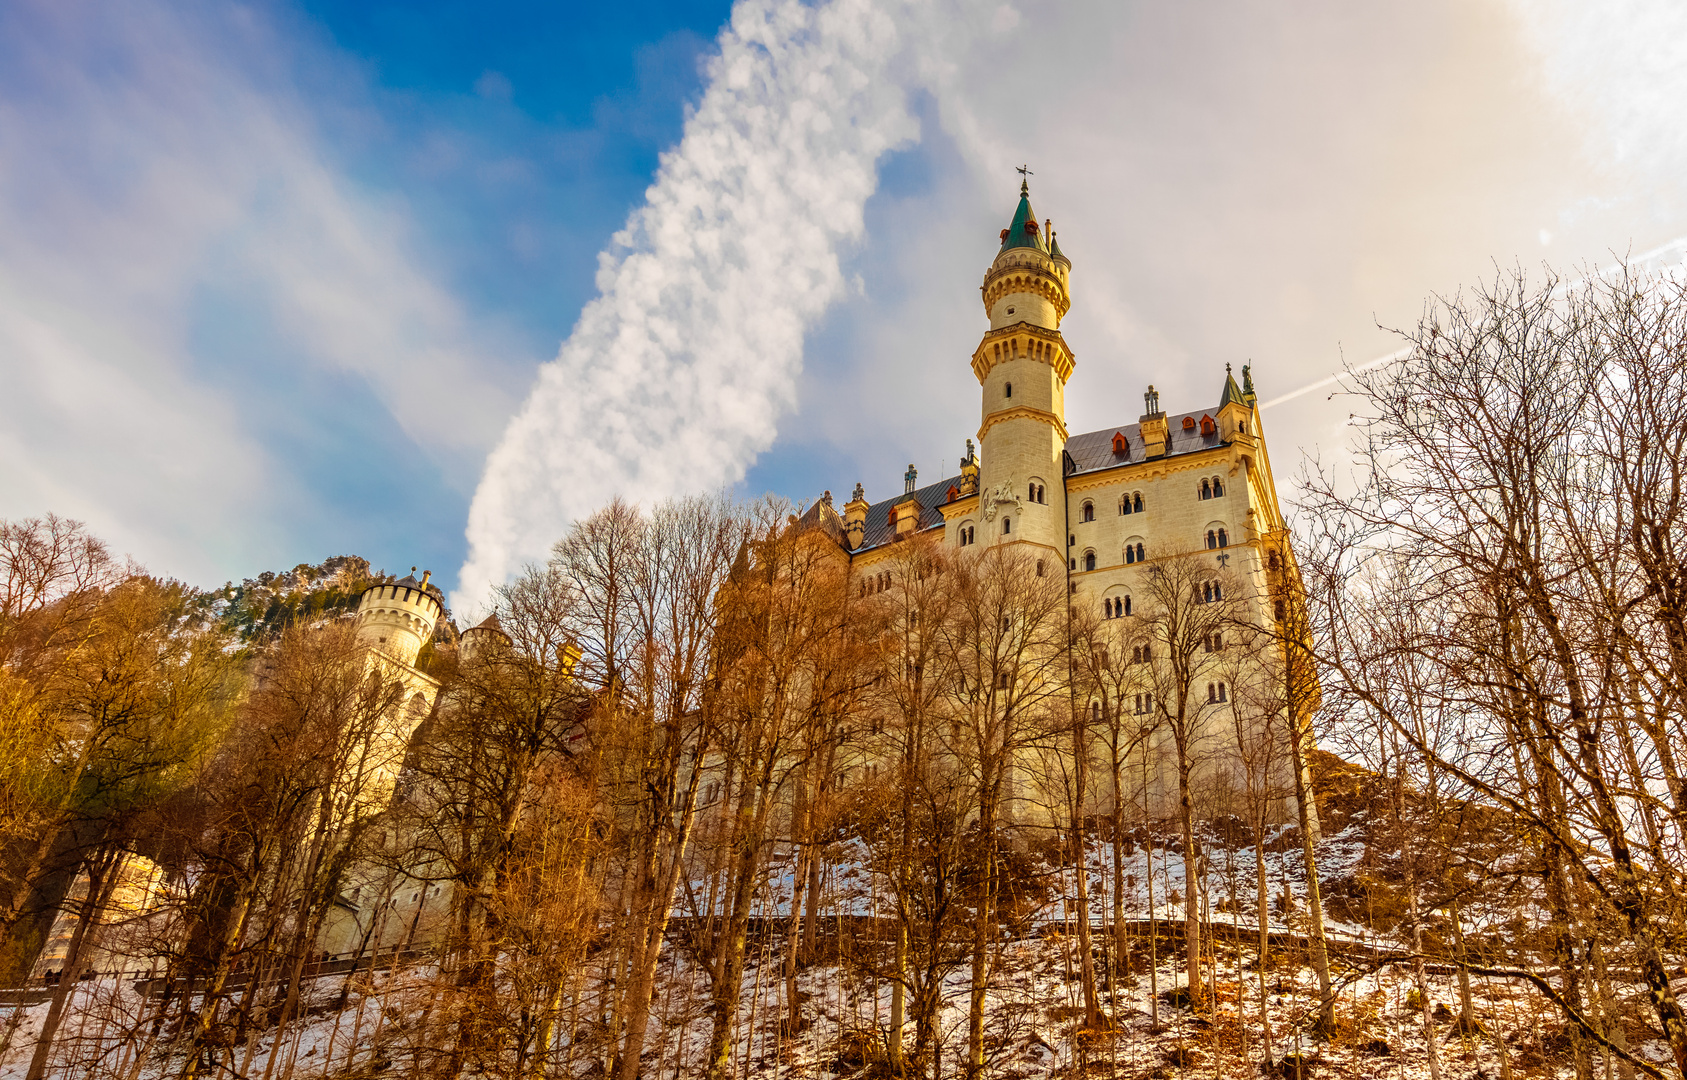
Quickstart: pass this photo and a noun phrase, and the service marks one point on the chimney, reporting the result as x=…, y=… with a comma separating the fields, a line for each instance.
x=1154, y=429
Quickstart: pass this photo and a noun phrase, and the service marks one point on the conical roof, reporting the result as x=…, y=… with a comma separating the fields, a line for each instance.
x=1232, y=392
x=1024, y=231
x=1054, y=247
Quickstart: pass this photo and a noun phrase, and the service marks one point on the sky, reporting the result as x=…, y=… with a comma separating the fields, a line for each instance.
x=426, y=281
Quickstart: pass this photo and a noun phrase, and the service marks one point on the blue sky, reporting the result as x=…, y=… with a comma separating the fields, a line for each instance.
x=424, y=281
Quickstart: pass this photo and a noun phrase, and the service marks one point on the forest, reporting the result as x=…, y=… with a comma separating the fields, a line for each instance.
x=702, y=804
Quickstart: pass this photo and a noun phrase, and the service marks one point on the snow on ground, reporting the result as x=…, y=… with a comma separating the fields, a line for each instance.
x=1034, y=1004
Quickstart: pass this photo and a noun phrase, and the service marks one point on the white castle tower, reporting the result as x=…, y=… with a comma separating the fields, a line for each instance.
x=1022, y=365
x=398, y=618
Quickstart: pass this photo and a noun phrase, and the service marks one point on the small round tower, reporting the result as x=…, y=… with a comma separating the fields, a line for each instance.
x=398, y=617
x=477, y=638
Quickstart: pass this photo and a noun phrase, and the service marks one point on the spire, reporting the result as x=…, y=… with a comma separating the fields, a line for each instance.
x=1232, y=392
x=1024, y=230
x=1054, y=243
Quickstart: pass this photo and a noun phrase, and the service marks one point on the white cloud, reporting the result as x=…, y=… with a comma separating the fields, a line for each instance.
x=676, y=376
x=156, y=160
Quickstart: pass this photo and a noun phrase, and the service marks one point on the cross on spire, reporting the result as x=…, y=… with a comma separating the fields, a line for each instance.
x=1025, y=174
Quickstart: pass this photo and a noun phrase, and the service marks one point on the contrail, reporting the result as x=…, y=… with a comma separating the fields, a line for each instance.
x=1656, y=259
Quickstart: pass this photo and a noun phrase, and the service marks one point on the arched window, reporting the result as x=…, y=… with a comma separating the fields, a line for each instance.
x=1207, y=425
x=1137, y=499
x=1095, y=712
x=1212, y=693
x=1125, y=503
x=1031, y=493
x=1223, y=538
x=1218, y=487
x=1089, y=560
x=1140, y=555
x=1107, y=608
x=1130, y=554
x=1072, y=565
x=1127, y=605
x=1206, y=489
x=1009, y=390
x=1212, y=539
x=1007, y=526
x=1040, y=494
x=1039, y=568
x=1089, y=510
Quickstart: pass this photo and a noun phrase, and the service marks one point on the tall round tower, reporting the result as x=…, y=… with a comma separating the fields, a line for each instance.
x=398, y=617
x=1022, y=365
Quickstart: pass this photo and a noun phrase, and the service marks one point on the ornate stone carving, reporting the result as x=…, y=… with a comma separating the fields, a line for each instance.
x=1001, y=496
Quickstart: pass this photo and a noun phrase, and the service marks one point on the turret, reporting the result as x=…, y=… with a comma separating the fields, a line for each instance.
x=1022, y=365
x=478, y=638
x=398, y=617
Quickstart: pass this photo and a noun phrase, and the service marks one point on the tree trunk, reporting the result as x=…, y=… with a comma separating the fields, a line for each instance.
x=1317, y=946
x=102, y=875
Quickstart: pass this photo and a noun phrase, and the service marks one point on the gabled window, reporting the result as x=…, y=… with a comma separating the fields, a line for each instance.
x=1120, y=446
x=1207, y=425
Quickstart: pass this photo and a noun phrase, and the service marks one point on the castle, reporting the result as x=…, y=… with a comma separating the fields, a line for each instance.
x=1104, y=507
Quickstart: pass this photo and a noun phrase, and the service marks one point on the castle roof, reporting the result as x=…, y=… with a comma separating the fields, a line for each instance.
x=1024, y=231
x=1093, y=450
x=881, y=525
x=1232, y=392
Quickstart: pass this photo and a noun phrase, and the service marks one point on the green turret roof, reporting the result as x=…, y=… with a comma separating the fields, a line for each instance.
x=1054, y=246
x=1024, y=232
x=1232, y=392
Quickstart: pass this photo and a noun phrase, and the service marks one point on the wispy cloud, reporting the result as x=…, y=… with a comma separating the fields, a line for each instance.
x=158, y=171
x=677, y=375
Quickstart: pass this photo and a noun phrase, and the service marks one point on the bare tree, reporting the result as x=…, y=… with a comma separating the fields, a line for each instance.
x=1516, y=483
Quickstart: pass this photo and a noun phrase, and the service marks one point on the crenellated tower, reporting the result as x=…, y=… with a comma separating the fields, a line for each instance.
x=397, y=618
x=1022, y=366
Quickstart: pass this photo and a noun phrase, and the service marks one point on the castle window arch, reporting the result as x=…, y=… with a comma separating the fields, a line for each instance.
x=1135, y=551
x=1218, y=536
x=1008, y=390
x=1206, y=488
x=1089, y=560
x=1089, y=510
x=1218, y=487
x=1007, y=526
